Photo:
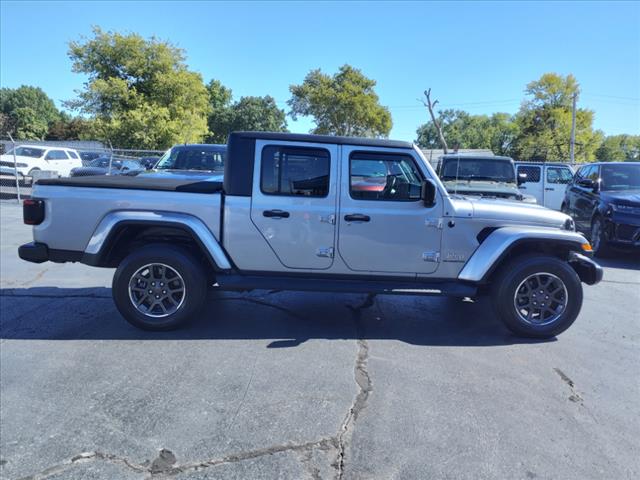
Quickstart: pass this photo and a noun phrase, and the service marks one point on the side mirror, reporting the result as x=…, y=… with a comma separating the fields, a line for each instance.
x=586, y=183
x=428, y=193
x=522, y=178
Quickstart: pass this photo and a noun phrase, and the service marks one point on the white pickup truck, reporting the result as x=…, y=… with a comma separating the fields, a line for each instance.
x=307, y=212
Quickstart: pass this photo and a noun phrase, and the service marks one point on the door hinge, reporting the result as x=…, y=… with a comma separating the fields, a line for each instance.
x=330, y=219
x=434, y=222
x=325, y=252
x=431, y=257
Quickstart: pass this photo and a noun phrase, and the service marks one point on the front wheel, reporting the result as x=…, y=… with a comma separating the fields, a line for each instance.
x=537, y=296
x=159, y=287
x=599, y=238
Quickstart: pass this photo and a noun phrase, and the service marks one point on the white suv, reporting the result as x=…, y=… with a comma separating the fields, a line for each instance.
x=30, y=158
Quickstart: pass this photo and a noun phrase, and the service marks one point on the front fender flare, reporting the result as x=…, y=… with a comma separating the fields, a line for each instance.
x=498, y=244
x=112, y=220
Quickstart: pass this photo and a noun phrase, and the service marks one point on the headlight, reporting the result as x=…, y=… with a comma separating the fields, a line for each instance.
x=570, y=225
x=529, y=199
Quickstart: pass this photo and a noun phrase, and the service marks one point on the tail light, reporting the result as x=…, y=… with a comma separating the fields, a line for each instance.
x=33, y=211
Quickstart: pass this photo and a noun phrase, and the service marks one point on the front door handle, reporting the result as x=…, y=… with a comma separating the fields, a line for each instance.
x=548, y=189
x=275, y=214
x=357, y=217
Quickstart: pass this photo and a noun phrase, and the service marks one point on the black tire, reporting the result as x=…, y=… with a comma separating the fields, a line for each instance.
x=598, y=237
x=529, y=269
x=181, y=307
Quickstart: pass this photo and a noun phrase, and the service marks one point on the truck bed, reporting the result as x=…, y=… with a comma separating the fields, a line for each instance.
x=136, y=183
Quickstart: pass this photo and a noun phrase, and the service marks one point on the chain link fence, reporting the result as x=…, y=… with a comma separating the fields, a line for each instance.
x=23, y=162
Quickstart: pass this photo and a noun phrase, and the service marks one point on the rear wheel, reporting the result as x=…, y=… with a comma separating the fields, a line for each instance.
x=159, y=287
x=537, y=296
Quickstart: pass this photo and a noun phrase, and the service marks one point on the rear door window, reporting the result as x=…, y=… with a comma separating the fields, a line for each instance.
x=559, y=175
x=72, y=154
x=56, y=155
x=294, y=171
x=532, y=173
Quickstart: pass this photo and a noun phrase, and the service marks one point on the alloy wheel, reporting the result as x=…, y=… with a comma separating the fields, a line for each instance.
x=541, y=299
x=157, y=290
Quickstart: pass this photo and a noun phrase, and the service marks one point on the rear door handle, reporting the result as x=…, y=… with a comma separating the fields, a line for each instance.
x=357, y=217
x=275, y=214
x=550, y=189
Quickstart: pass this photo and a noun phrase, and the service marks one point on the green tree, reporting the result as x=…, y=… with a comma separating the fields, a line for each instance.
x=342, y=104
x=544, y=122
x=69, y=128
x=247, y=114
x=29, y=112
x=460, y=129
x=139, y=93
x=619, y=148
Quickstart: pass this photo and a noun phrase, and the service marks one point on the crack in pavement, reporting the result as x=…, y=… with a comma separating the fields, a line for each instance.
x=363, y=380
x=575, y=396
x=166, y=463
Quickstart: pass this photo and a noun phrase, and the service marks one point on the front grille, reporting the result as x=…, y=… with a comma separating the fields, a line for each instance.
x=628, y=233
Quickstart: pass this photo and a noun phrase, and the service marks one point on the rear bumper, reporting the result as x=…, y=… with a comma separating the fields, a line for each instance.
x=588, y=270
x=36, y=252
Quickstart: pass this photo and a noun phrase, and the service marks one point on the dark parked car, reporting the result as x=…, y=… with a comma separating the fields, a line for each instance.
x=100, y=166
x=482, y=176
x=148, y=162
x=200, y=157
x=604, y=201
x=88, y=157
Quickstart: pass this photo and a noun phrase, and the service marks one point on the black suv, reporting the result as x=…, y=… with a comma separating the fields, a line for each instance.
x=604, y=201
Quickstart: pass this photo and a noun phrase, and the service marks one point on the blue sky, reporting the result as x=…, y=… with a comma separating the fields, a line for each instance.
x=476, y=56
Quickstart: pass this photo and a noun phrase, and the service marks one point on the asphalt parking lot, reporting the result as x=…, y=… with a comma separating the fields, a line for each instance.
x=272, y=384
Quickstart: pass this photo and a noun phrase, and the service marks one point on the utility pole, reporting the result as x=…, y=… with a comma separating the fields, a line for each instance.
x=573, y=130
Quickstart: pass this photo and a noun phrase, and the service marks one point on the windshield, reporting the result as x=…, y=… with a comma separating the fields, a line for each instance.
x=192, y=158
x=27, y=152
x=102, y=162
x=620, y=177
x=483, y=169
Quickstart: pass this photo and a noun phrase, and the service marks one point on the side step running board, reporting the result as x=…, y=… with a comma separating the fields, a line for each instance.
x=256, y=282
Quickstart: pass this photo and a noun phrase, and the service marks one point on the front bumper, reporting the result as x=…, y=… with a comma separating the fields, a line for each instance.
x=588, y=270
x=623, y=229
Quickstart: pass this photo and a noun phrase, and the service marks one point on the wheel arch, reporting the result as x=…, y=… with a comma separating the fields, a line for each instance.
x=119, y=232
x=504, y=244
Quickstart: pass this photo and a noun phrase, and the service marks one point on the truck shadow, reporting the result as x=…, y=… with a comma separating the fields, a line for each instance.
x=620, y=259
x=287, y=319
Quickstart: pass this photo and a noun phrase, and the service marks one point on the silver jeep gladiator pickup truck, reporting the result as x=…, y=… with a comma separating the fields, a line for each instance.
x=307, y=212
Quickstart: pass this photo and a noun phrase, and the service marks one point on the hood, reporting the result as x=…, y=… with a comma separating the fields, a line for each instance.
x=624, y=197
x=199, y=175
x=509, y=213
x=19, y=158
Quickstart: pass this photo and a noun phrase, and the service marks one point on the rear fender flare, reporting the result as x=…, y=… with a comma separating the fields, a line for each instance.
x=196, y=227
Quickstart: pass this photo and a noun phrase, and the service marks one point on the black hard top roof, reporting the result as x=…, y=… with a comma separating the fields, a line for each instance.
x=302, y=137
x=471, y=156
x=214, y=147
